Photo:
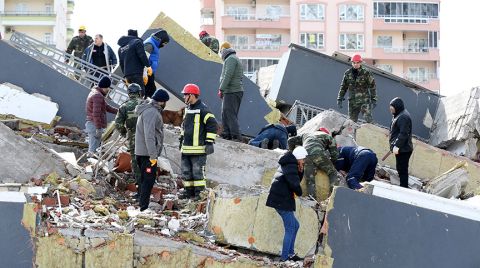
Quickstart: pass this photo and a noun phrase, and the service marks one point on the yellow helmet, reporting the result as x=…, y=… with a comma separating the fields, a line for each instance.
x=82, y=28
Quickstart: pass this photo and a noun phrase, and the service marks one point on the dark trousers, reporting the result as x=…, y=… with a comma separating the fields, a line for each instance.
x=230, y=107
x=150, y=86
x=291, y=225
x=401, y=160
x=147, y=180
x=193, y=172
x=138, y=79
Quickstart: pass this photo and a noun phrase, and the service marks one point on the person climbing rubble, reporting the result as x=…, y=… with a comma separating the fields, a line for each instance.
x=322, y=153
x=198, y=135
x=149, y=142
x=152, y=48
x=209, y=41
x=274, y=136
x=285, y=187
x=79, y=43
x=126, y=123
x=359, y=162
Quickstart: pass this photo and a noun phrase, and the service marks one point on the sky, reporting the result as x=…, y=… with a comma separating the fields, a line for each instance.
x=459, y=36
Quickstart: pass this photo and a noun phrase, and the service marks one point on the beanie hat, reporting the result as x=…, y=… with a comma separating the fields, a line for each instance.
x=292, y=130
x=162, y=35
x=105, y=82
x=132, y=32
x=300, y=153
x=160, y=95
x=225, y=45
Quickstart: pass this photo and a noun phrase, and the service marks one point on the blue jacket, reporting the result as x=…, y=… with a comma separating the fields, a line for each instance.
x=110, y=57
x=272, y=132
x=154, y=56
x=359, y=162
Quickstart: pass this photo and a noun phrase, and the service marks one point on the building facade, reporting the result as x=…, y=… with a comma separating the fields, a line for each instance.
x=400, y=37
x=45, y=20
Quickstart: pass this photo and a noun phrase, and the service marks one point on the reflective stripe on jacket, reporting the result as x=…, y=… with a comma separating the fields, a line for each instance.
x=199, y=127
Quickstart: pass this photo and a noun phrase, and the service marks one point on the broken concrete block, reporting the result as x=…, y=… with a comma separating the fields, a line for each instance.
x=426, y=163
x=13, y=124
x=53, y=251
x=413, y=183
x=21, y=160
x=116, y=252
x=449, y=184
x=334, y=122
x=239, y=216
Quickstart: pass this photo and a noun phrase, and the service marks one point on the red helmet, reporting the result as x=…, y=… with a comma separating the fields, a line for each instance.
x=202, y=33
x=322, y=129
x=191, y=89
x=356, y=58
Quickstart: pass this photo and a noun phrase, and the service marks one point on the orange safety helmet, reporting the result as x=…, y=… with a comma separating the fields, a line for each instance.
x=202, y=34
x=356, y=58
x=191, y=89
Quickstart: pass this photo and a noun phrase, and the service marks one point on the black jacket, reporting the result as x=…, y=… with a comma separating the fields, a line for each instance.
x=286, y=182
x=401, y=127
x=131, y=54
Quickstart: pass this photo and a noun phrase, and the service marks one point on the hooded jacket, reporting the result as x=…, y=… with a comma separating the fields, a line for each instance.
x=96, y=108
x=232, y=72
x=401, y=127
x=153, y=45
x=131, y=54
x=149, y=130
x=110, y=57
x=285, y=183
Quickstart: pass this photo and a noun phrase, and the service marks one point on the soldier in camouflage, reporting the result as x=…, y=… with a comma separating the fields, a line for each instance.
x=209, y=41
x=126, y=123
x=362, y=91
x=322, y=153
x=79, y=43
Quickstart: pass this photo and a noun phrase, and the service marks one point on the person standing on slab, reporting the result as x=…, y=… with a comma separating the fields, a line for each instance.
x=231, y=92
x=401, y=138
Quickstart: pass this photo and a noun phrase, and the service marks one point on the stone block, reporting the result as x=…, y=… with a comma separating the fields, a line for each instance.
x=54, y=251
x=116, y=252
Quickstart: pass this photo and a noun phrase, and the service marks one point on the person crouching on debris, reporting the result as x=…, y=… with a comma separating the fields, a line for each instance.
x=274, y=136
x=359, y=162
x=96, y=109
x=149, y=142
x=285, y=185
x=401, y=138
x=198, y=134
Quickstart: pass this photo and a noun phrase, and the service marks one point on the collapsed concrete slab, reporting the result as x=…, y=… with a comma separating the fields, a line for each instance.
x=34, y=160
x=451, y=183
x=314, y=78
x=239, y=216
x=265, y=78
x=233, y=163
x=426, y=163
x=373, y=231
x=457, y=123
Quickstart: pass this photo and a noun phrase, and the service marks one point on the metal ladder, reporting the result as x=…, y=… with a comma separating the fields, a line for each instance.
x=73, y=67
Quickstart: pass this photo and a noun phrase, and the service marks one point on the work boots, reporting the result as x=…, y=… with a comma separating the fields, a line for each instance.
x=264, y=144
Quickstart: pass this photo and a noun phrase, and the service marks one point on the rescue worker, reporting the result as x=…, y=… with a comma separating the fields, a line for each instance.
x=322, y=153
x=79, y=43
x=231, y=92
x=360, y=84
x=133, y=59
x=359, y=162
x=149, y=142
x=126, y=123
x=152, y=48
x=209, y=41
x=101, y=55
x=274, y=136
x=198, y=134
x=401, y=138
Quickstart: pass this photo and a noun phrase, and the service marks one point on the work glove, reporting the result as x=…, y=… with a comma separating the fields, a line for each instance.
x=209, y=148
x=339, y=104
x=98, y=133
x=149, y=71
x=145, y=80
x=220, y=94
x=145, y=75
x=395, y=150
x=153, y=162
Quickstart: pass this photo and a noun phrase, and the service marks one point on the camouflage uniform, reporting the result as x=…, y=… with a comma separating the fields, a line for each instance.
x=126, y=123
x=362, y=93
x=79, y=44
x=322, y=153
x=210, y=42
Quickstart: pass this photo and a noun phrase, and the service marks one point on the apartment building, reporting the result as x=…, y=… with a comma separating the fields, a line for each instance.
x=46, y=20
x=400, y=37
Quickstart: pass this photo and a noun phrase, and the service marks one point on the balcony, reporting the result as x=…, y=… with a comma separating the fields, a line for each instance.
x=405, y=24
x=406, y=53
x=261, y=51
x=208, y=4
x=252, y=21
x=28, y=18
x=428, y=80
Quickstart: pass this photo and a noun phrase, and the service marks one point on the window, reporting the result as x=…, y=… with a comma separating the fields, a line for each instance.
x=385, y=67
x=417, y=45
x=207, y=18
x=47, y=38
x=384, y=41
x=433, y=39
x=21, y=8
x=238, y=41
x=312, y=40
x=273, y=12
x=250, y=66
x=268, y=40
x=405, y=10
x=239, y=13
x=312, y=12
x=417, y=74
x=351, y=13
x=48, y=8
x=351, y=41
